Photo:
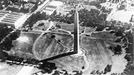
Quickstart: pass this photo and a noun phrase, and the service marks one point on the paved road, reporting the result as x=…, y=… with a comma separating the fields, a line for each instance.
x=6, y=69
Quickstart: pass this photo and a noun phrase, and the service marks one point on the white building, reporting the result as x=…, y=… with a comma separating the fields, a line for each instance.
x=52, y=6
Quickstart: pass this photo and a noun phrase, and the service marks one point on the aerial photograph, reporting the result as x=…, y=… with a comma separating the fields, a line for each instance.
x=66, y=37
